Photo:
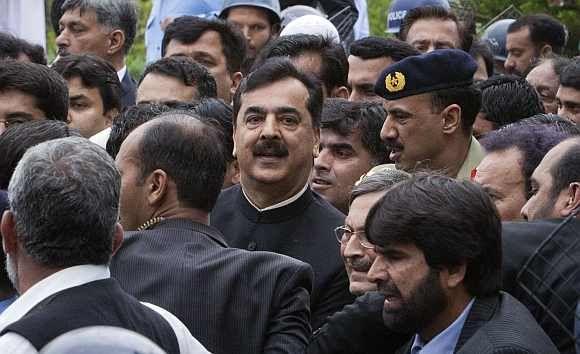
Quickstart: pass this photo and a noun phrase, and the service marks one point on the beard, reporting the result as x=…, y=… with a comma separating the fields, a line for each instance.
x=425, y=302
x=12, y=272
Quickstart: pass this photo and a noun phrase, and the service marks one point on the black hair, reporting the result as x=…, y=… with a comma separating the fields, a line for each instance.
x=55, y=15
x=465, y=32
x=570, y=75
x=533, y=141
x=130, y=118
x=452, y=222
x=186, y=70
x=113, y=14
x=507, y=99
x=344, y=117
x=185, y=148
x=222, y=113
x=544, y=29
x=46, y=86
x=188, y=29
x=482, y=49
x=12, y=47
x=467, y=97
x=334, y=68
x=277, y=69
x=15, y=141
x=94, y=72
x=567, y=169
x=377, y=47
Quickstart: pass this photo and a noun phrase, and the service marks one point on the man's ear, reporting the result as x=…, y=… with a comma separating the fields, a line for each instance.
x=110, y=115
x=315, y=148
x=8, y=232
x=117, y=238
x=451, y=119
x=546, y=51
x=453, y=276
x=340, y=92
x=236, y=79
x=157, y=185
x=573, y=201
x=116, y=42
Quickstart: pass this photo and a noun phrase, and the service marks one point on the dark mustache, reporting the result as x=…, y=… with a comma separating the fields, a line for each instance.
x=392, y=144
x=360, y=264
x=270, y=147
x=388, y=289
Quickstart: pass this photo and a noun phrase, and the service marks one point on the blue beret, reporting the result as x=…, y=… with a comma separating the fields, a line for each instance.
x=437, y=70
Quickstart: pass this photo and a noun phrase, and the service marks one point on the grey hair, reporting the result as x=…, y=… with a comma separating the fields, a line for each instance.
x=64, y=195
x=113, y=14
x=378, y=181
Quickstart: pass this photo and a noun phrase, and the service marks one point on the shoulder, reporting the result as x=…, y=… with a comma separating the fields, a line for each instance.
x=512, y=329
x=321, y=209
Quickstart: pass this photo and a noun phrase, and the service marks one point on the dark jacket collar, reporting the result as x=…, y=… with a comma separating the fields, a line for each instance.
x=187, y=224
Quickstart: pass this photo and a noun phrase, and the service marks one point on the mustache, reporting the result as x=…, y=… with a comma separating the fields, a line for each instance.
x=359, y=264
x=386, y=288
x=270, y=147
x=393, y=144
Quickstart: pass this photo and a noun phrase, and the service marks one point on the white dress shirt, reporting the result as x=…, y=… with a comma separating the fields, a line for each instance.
x=67, y=278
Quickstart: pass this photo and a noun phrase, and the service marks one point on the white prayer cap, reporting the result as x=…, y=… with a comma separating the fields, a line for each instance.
x=312, y=24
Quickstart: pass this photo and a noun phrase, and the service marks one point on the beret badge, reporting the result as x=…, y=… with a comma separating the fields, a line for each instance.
x=395, y=82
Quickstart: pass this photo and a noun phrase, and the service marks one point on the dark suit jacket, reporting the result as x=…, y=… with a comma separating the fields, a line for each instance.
x=128, y=90
x=544, y=274
x=302, y=229
x=232, y=301
x=499, y=324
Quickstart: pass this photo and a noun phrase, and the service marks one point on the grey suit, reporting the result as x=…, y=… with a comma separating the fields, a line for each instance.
x=232, y=301
x=500, y=324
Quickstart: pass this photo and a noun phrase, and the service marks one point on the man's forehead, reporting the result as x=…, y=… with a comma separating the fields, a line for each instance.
x=78, y=14
x=368, y=67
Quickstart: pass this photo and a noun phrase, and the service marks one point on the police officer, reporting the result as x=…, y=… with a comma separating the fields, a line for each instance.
x=431, y=105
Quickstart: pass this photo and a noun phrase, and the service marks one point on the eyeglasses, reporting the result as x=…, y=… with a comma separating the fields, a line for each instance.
x=344, y=233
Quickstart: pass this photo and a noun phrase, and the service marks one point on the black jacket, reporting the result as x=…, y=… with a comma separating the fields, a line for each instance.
x=302, y=230
x=544, y=274
x=232, y=301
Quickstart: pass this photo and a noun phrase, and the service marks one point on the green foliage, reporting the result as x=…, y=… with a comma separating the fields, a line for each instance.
x=136, y=58
x=378, y=16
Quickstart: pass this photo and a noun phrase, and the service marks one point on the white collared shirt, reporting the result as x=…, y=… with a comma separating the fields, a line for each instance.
x=277, y=205
x=121, y=73
x=65, y=279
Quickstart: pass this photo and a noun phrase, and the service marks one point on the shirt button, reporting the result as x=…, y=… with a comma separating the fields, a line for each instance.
x=252, y=246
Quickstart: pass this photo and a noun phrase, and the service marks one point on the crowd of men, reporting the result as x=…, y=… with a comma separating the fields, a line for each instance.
x=256, y=191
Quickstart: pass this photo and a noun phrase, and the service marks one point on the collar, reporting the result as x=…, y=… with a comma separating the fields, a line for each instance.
x=59, y=281
x=278, y=205
x=474, y=157
x=186, y=224
x=446, y=341
x=101, y=137
x=121, y=73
